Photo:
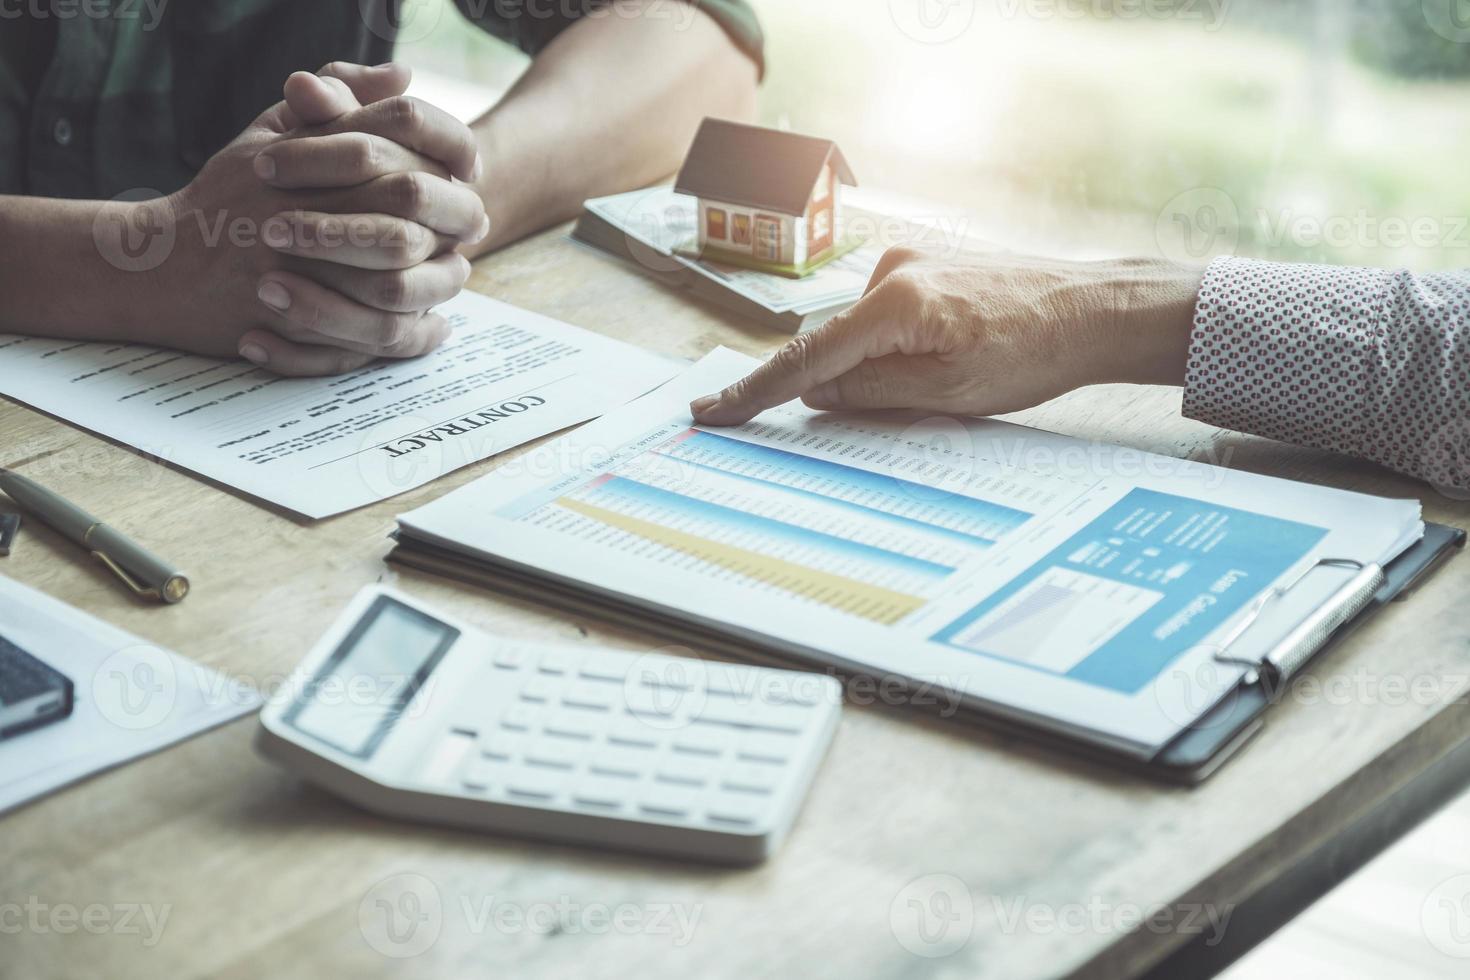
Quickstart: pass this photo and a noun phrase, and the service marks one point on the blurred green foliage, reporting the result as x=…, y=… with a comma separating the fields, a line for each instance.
x=1074, y=134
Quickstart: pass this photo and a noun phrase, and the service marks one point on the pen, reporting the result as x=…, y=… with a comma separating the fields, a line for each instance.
x=142, y=571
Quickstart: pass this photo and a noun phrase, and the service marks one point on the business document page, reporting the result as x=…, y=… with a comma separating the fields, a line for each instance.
x=1079, y=581
x=320, y=446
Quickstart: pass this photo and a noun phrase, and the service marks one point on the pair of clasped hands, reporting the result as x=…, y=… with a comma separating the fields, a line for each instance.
x=328, y=230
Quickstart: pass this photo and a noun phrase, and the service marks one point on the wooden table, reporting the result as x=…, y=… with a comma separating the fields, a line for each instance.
x=925, y=849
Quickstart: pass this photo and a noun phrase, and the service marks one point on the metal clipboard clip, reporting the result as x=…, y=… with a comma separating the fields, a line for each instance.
x=1291, y=653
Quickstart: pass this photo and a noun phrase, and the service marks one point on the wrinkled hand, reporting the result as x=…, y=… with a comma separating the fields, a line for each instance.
x=321, y=238
x=978, y=335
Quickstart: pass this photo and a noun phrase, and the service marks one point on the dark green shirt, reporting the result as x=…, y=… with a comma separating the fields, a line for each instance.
x=96, y=106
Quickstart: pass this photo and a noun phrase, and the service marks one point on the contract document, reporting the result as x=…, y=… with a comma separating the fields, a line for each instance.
x=1084, y=587
x=320, y=446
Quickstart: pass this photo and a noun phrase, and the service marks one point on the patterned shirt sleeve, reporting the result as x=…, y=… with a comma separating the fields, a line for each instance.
x=1367, y=362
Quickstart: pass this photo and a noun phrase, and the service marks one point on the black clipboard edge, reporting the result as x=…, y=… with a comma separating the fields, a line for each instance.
x=1188, y=760
x=1220, y=733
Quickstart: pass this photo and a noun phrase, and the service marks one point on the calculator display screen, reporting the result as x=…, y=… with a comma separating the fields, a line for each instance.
x=353, y=701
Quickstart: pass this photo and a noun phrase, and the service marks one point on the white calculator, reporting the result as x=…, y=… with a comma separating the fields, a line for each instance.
x=410, y=713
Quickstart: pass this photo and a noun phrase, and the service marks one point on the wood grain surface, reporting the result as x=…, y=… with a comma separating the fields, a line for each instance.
x=927, y=848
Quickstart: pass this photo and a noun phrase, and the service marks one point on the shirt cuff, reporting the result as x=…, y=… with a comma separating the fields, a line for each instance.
x=1288, y=351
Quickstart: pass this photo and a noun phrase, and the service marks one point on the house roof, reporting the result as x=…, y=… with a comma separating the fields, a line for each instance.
x=756, y=167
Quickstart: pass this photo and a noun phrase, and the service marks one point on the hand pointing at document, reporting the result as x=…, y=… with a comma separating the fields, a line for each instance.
x=979, y=335
x=1369, y=362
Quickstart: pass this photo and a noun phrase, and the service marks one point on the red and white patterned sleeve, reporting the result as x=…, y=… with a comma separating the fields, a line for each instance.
x=1367, y=362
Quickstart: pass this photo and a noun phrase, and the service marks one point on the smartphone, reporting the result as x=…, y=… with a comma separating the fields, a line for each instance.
x=32, y=693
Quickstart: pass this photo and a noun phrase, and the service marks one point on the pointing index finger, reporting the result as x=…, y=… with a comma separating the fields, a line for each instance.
x=833, y=349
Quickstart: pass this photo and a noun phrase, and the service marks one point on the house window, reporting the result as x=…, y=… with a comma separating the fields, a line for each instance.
x=821, y=224
x=824, y=185
x=714, y=224
x=740, y=233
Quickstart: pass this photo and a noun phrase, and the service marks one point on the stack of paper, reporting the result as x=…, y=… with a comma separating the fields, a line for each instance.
x=1083, y=587
x=652, y=227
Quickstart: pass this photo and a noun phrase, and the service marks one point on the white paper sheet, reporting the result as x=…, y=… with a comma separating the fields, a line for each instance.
x=665, y=221
x=320, y=446
x=131, y=698
x=1080, y=583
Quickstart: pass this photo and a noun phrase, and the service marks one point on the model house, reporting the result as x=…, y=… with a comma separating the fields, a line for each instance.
x=768, y=199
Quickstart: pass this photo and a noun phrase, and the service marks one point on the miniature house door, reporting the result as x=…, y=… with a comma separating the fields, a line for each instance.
x=767, y=239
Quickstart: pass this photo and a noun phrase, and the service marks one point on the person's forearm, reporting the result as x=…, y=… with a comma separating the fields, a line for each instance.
x=1360, y=361
x=580, y=123
x=77, y=269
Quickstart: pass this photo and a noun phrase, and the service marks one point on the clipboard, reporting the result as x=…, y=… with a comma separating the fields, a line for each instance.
x=1221, y=732
x=1190, y=758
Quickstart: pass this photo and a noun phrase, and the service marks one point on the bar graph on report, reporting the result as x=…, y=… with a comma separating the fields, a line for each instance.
x=869, y=544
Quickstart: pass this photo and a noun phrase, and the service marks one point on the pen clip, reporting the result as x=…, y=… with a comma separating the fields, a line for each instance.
x=128, y=580
x=1288, y=656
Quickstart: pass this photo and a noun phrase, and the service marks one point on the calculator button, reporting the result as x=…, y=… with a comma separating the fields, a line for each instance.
x=510, y=658
x=629, y=763
x=478, y=774
x=604, y=668
x=596, y=791
x=751, y=778
x=631, y=731
x=536, y=783
x=735, y=811
x=765, y=747
x=557, y=661
x=666, y=801
x=538, y=689
x=558, y=755
x=500, y=745
x=662, y=704
x=518, y=717
x=778, y=716
x=684, y=772
x=700, y=741
x=720, y=678
x=589, y=694
x=719, y=711
x=571, y=724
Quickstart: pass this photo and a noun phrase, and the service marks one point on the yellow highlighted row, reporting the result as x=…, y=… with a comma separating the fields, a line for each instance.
x=849, y=595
